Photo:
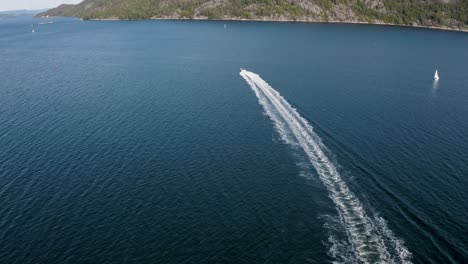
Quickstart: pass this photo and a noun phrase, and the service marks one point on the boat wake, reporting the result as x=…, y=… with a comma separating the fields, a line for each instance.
x=370, y=239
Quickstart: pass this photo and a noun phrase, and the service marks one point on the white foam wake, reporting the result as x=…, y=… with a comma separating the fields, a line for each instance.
x=367, y=241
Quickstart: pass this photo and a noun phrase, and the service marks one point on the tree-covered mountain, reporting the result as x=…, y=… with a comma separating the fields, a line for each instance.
x=437, y=13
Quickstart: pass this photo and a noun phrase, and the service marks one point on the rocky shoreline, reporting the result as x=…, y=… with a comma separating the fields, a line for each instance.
x=293, y=21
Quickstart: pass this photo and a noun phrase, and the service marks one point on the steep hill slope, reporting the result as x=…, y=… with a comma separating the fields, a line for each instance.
x=433, y=13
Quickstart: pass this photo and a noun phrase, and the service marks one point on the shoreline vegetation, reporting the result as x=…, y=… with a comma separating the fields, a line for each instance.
x=288, y=21
x=433, y=14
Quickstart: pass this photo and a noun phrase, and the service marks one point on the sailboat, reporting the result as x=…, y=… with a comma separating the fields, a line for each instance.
x=33, y=31
x=436, y=75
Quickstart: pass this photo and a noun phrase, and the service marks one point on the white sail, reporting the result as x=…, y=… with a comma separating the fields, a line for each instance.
x=436, y=75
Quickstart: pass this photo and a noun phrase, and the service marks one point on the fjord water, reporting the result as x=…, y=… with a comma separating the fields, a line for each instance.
x=139, y=142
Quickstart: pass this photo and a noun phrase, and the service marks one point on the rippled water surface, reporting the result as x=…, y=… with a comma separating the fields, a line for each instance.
x=139, y=142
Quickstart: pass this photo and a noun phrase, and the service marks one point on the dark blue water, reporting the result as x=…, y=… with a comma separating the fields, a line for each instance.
x=138, y=142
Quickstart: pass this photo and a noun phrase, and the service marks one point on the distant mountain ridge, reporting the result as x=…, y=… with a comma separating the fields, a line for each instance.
x=15, y=13
x=21, y=11
x=450, y=14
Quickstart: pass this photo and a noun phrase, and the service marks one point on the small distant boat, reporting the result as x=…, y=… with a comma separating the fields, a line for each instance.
x=224, y=26
x=32, y=31
x=436, y=75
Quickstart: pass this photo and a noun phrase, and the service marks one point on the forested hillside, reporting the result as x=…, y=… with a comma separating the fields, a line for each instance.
x=436, y=13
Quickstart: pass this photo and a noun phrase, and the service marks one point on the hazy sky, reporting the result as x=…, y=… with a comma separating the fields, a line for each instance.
x=33, y=4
